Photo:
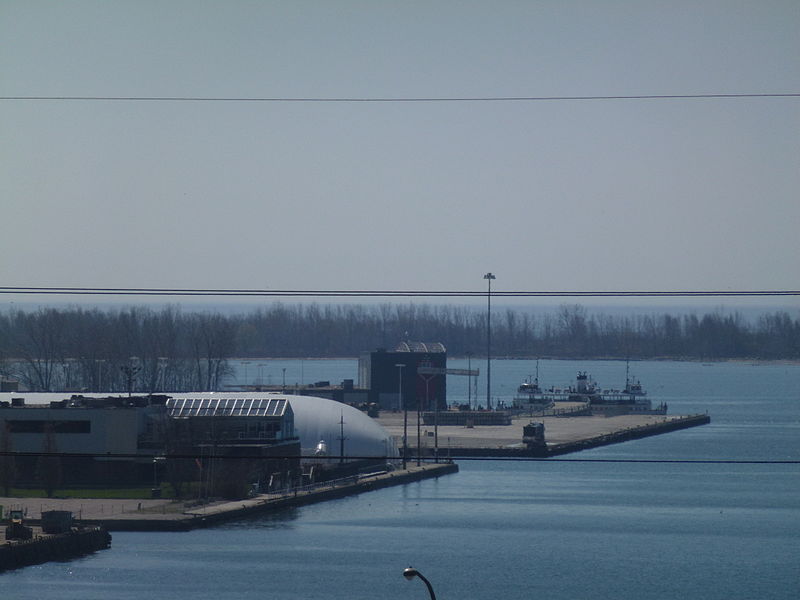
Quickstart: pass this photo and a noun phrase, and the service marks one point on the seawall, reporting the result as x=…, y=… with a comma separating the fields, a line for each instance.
x=633, y=433
x=209, y=515
x=44, y=548
x=584, y=443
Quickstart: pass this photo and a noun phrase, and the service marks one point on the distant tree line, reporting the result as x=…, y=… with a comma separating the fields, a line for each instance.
x=146, y=350
x=135, y=349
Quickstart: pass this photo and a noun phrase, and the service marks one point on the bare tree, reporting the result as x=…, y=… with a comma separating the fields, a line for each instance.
x=40, y=343
x=212, y=342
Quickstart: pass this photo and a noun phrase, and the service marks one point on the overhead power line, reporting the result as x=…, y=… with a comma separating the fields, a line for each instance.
x=86, y=291
x=399, y=99
x=332, y=457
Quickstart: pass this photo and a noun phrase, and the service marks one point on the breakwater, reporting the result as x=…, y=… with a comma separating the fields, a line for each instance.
x=584, y=443
x=632, y=433
x=44, y=548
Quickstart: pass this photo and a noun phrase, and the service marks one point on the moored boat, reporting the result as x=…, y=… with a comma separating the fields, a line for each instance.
x=531, y=397
x=631, y=399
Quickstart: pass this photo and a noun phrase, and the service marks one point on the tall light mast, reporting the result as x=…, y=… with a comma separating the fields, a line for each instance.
x=489, y=277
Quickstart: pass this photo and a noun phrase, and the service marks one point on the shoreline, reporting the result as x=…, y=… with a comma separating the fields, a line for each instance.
x=169, y=515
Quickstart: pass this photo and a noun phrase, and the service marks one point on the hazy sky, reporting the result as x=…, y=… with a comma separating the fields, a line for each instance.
x=690, y=194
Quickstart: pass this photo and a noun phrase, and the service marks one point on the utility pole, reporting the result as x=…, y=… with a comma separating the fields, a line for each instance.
x=341, y=440
x=404, y=408
x=469, y=380
x=489, y=277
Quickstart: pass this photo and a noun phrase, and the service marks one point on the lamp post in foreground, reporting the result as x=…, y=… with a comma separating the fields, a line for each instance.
x=410, y=573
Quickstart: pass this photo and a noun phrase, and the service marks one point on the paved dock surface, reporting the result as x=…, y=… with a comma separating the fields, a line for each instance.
x=558, y=430
x=166, y=514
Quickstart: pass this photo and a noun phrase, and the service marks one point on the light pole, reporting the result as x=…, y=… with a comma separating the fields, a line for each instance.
x=469, y=380
x=405, y=412
x=99, y=362
x=411, y=572
x=163, y=361
x=427, y=379
x=131, y=370
x=156, y=491
x=245, y=363
x=489, y=278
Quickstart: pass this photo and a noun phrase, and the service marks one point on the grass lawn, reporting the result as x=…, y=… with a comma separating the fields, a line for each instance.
x=110, y=493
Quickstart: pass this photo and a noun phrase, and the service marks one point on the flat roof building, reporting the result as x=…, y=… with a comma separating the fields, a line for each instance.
x=383, y=371
x=116, y=439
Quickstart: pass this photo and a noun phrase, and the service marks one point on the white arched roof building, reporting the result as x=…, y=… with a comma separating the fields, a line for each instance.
x=315, y=420
x=319, y=419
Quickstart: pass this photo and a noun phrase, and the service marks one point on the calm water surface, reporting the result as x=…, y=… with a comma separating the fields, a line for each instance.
x=559, y=530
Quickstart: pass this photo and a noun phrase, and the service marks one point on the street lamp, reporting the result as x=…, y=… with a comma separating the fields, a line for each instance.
x=99, y=362
x=131, y=370
x=156, y=491
x=245, y=363
x=469, y=381
x=489, y=278
x=405, y=412
x=410, y=573
x=162, y=372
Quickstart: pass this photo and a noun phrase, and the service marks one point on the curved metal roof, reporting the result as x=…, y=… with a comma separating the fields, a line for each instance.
x=315, y=420
x=421, y=347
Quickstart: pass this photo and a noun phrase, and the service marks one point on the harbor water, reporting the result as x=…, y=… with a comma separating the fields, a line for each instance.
x=632, y=521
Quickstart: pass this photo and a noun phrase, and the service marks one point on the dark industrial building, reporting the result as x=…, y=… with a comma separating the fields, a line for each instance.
x=385, y=372
x=116, y=440
x=252, y=439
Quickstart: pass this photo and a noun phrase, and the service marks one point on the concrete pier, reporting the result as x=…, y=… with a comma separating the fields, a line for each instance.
x=562, y=434
x=43, y=548
x=168, y=515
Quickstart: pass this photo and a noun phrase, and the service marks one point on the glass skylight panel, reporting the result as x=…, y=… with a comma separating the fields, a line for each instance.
x=205, y=407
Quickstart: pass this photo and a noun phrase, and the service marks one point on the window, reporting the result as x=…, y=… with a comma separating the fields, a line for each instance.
x=40, y=426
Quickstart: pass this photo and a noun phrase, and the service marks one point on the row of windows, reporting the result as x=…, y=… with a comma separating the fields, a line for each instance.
x=41, y=426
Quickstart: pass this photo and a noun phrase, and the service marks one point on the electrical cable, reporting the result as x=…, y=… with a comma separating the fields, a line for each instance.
x=454, y=455
x=400, y=99
x=88, y=291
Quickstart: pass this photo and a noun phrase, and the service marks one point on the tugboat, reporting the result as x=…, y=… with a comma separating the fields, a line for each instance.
x=531, y=397
x=632, y=386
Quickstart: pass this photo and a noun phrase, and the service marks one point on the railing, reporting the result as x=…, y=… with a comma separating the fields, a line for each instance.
x=570, y=411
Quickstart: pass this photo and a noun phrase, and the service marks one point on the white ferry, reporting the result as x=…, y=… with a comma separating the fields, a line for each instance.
x=631, y=399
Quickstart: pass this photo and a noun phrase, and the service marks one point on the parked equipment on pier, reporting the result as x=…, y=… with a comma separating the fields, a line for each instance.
x=16, y=530
x=56, y=521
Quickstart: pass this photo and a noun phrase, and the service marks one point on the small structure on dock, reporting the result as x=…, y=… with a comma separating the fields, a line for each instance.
x=533, y=435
